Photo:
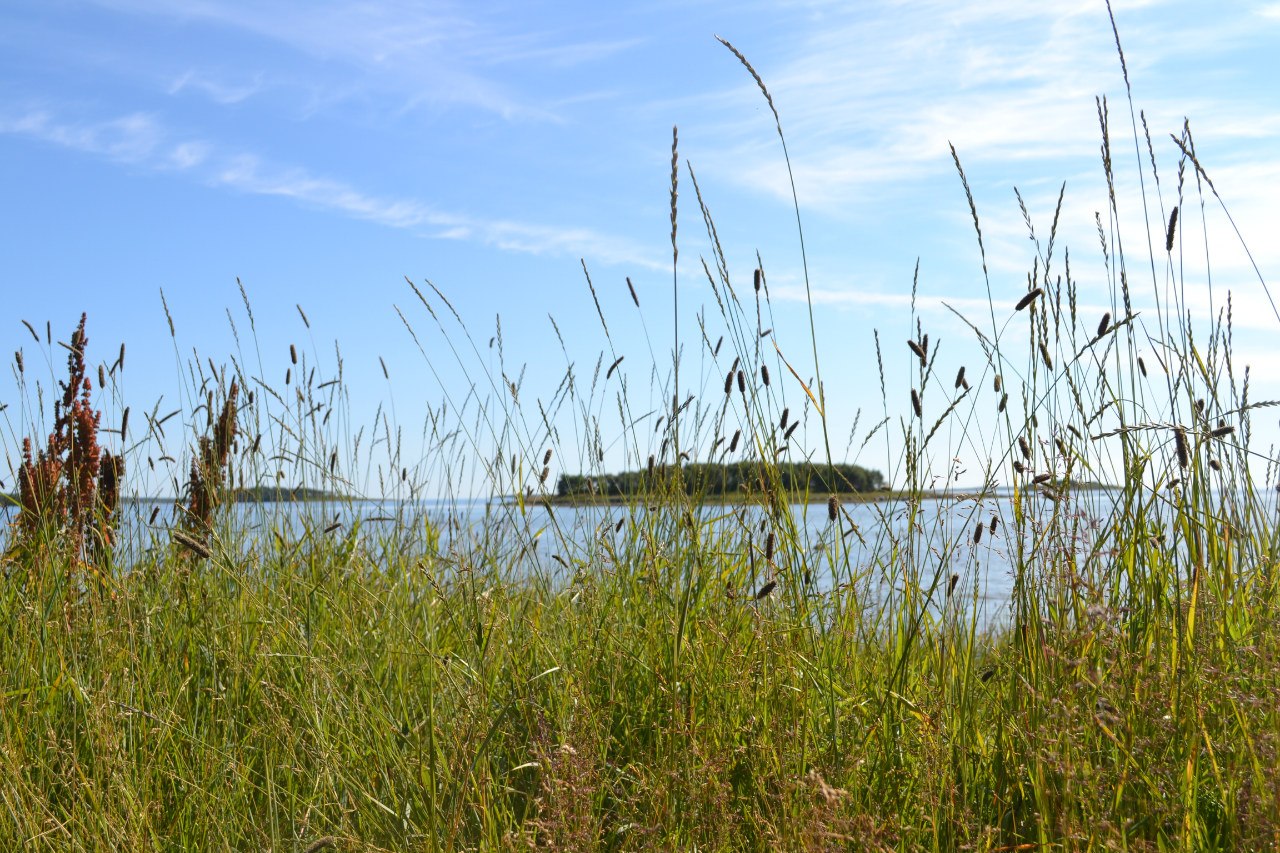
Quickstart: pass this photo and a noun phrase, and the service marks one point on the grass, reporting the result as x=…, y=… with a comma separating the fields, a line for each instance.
x=671, y=674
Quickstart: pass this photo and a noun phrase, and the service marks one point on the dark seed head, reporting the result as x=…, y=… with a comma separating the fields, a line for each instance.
x=1180, y=442
x=1105, y=324
x=915, y=402
x=1028, y=299
x=833, y=506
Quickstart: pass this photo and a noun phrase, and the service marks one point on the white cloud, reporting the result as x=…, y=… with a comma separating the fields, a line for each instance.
x=138, y=138
x=870, y=100
x=433, y=53
x=187, y=155
x=130, y=138
x=218, y=91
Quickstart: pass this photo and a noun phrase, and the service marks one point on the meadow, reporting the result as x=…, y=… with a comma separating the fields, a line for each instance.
x=684, y=674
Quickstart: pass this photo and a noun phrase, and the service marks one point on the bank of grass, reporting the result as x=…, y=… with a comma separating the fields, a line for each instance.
x=667, y=675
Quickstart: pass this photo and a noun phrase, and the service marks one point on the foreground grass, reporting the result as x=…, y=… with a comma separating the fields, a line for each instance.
x=322, y=690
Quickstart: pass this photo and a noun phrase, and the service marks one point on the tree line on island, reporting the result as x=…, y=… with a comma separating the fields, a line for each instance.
x=727, y=479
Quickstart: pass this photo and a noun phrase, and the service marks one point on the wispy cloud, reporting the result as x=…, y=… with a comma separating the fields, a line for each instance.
x=134, y=137
x=219, y=91
x=873, y=99
x=140, y=139
x=434, y=53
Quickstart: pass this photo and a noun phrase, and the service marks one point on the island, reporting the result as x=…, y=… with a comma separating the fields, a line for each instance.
x=723, y=481
x=280, y=494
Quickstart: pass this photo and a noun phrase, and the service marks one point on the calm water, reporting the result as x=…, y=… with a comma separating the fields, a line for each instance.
x=863, y=548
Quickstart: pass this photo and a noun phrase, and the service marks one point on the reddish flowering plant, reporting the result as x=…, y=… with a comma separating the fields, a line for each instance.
x=69, y=488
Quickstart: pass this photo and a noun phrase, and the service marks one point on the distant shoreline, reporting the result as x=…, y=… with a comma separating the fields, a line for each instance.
x=814, y=499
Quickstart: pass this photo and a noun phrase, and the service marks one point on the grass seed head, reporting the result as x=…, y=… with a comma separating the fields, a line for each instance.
x=1028, y=299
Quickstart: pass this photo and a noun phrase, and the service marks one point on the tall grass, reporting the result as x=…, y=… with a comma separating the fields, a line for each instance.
x=671, y=672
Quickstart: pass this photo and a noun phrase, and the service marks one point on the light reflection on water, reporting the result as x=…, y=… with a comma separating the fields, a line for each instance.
x=866, y=547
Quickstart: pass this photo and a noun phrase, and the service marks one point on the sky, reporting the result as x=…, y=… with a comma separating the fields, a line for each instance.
x=317, y=155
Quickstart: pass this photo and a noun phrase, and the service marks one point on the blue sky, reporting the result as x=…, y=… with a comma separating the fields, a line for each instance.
x=321, y=152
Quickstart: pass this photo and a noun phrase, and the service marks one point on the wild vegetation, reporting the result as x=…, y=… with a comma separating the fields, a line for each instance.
x=664, y=675
x=730, y=479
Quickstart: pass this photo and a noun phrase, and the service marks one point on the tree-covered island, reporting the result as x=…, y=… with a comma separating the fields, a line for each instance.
x=728, y=480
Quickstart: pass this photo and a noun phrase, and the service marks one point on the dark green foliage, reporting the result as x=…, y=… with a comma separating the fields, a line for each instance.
x=734, y=479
